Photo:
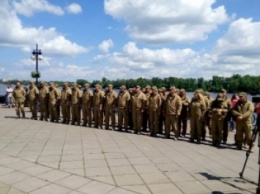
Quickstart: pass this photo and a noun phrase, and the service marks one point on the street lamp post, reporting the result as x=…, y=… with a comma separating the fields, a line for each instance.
x=36, y=53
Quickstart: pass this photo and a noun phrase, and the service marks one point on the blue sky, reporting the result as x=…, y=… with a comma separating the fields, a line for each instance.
x=91, y=39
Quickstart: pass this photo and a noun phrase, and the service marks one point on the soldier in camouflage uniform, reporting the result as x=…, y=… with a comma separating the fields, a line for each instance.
x=110, y=107
x=43, y=100
x=145, y=121
x=243, y=112
x=172, y=109
x=33, y=96
x=182, y=122
x=154, y=108
x=218, y=110
x=19, y=97
x=87, y=103
x=163, y=96
x=197, y=109
x=66, y=103
x=138, y=107
x=53, y=98
x=123, y=106
x=76, y=99
x=98, y=97
x=227, y=117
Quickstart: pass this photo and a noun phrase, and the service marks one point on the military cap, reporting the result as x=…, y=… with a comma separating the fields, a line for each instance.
x=122, y=87
x=199, y=91
x=242, y=94
x=220, y=96
x=97, y=85
x=182, y=90
x=32, y=82
x=172, y=88
x=110, y=85
x=79, y=86
x=163, y=89
x=138, y=86
x=87, y=85
x=148, y=87
x=154, y=88
x=130, y=89
x=223, y=90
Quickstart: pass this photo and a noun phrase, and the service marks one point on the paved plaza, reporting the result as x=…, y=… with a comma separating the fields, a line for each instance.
x=39, y=157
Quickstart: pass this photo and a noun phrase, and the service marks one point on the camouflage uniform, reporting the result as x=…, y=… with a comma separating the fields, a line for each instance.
x=123, y=106
x=98, y=106
x=154, y=108
x=173, y=106
x=182, y=122
x=43, y=100
x=53, y=97
x=138, y=107
x=87, y=103
x=243, y=112
x=197, y=109
x=33, y=96
x=218, y=110
x=66, y=103
x=19, y=97
x=110, y=106
x=76, y=98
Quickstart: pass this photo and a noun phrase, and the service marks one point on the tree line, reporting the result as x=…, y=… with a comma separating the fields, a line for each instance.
x=233, y=84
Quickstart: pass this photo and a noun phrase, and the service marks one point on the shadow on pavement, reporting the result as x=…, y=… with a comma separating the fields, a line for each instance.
x=231, y=181
x=10, y=117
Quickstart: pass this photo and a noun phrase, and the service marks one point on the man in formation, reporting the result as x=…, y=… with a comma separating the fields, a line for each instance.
x=43, y=101
x=66, y=103
x=19, y=97
x=183, y=119
x=110, y=107
x=138, y=107
x=172, y=112
x=87, y=102
x=154, y=109
x=76, y=98
x=197, y=109
x=218, y=111
x=98, y=98
x=53, y=98
x=123, y=107
x=33, y=97
x=147, y=92
x=243, y=112
x=138, y=110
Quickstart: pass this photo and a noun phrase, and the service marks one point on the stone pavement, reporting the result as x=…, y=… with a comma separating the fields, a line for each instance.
x=47, y=158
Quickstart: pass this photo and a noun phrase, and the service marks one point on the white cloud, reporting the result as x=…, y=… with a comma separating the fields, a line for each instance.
x=238, y=51
x=29, y=7
x=167, y=21
x=13, y=33
x=242, y=38
x=136, y=62
x=74, y=8
x=106, y=45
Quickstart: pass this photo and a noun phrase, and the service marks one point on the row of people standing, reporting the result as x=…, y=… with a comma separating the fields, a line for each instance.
x=138, y=109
